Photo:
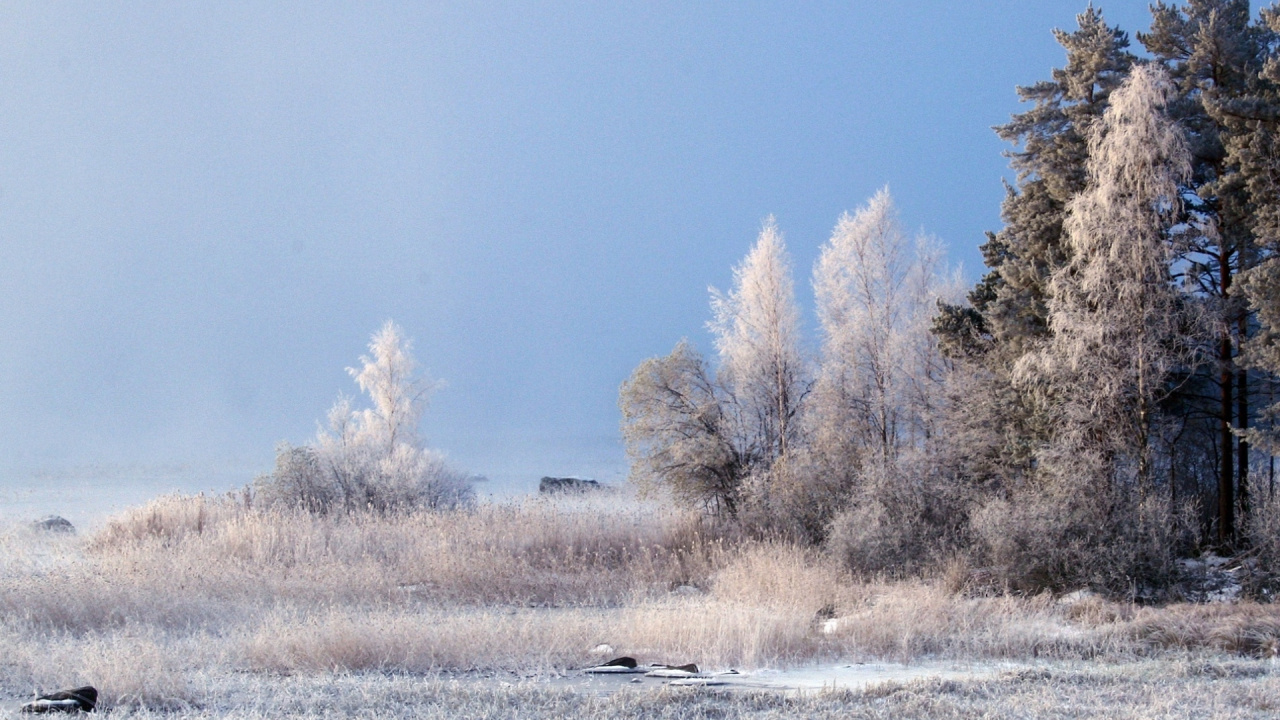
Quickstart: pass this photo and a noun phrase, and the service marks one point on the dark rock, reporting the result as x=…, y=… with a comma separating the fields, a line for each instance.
x=674, y=671
x=54, y=523
x=77, y=700
x=616, y=666
x=550, y=485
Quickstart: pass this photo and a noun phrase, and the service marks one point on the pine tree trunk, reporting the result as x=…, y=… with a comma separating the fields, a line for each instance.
x=1242, y=448
x=1226, y=474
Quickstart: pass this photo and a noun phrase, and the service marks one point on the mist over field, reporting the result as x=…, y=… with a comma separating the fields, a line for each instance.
x=206, y=209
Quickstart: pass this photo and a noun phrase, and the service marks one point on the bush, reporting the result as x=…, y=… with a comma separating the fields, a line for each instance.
x=795, y=500
x=318, y=480
x=1065, y=537
x=1262, y=532
x=905, y=518
x=297, y=481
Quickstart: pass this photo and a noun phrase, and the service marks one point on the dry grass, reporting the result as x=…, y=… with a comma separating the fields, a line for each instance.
x=183, y=590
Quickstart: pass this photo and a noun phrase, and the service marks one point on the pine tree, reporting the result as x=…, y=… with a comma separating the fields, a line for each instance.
x=1213, y=53
x=1254, y=148
x=1009, y=312
x=1050, y=166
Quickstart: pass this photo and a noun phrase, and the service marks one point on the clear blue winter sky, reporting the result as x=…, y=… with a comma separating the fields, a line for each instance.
x=207, y=207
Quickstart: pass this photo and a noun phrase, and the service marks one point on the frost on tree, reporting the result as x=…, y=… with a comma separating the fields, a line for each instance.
x=1119, y=324
x=389, y=378
x=757, y=333
x=371, y=458
x=877, y=291
x=1050, y=163
x=702, y=434
x=677, y=433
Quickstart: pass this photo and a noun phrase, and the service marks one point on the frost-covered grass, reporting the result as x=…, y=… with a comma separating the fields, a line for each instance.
x=177, y=603
x=1147, y=690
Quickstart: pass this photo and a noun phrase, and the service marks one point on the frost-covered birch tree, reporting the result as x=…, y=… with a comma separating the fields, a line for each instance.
x=1121, y=332
x=389, y=377
x=1118, y=321
x=757, y=334
x=877, y=291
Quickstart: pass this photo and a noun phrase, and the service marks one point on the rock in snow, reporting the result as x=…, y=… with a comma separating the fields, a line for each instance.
x=54, y=523
x=77, y=700
x=616, y=666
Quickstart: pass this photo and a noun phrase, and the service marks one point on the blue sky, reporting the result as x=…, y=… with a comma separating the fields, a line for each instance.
x=206, y=208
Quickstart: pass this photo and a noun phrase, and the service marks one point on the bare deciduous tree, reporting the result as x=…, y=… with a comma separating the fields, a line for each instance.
x=677, y=433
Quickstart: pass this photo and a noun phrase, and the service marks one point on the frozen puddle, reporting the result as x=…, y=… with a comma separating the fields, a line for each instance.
x=812, y=678
x=856, y=676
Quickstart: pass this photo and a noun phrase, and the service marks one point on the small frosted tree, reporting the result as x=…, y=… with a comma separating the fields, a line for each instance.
x=399, y=396
x=371, y=458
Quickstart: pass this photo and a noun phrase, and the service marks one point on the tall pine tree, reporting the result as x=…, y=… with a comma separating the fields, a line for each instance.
x=1213, y=53
x=1050, y=163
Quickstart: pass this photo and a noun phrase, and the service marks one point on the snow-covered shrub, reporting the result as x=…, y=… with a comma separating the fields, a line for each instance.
x=371, y=458
x=903, y=519
x=795, y=499
x=1262, y=529
x=297, y=480
x=1060, y=537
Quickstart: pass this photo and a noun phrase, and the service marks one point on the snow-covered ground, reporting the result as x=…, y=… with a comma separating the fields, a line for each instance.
x=843, y=676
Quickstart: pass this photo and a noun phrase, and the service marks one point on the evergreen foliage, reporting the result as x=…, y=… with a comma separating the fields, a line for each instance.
x=1053, y=140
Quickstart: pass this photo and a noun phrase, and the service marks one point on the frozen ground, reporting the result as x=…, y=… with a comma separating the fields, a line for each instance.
x=812, y=678
x=204, y=607
x=1143, y=690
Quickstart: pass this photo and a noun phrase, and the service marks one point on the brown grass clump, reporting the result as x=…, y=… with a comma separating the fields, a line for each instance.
x=138, y=668
x=1246, y=628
